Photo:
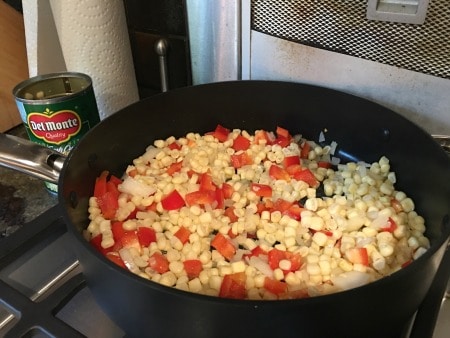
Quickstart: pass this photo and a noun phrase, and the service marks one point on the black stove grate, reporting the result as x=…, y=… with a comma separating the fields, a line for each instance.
x=36, y=315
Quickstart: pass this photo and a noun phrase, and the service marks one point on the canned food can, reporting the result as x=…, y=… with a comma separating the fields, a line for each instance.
x=57, y=110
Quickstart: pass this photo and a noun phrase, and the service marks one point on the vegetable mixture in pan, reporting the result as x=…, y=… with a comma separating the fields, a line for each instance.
x=254, y=216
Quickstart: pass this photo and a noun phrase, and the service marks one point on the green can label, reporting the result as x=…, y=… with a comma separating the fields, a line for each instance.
x=57, y=110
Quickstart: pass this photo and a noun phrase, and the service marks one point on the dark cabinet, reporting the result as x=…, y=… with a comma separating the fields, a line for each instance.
x=148, y=22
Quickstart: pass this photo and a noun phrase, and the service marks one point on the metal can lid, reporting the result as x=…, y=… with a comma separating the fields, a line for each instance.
x=51, y=88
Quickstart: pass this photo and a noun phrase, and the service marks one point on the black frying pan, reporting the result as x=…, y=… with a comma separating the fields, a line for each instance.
x=363, y=131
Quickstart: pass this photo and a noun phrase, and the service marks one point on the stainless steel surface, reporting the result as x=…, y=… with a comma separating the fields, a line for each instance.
x=401, y=66
x=421, y=98
x=407, y=11
x=30, y=158
x=161, y=48
x=342, y=27
x=215, y=40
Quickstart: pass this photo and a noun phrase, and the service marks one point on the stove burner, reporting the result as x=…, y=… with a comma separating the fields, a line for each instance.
x=43, y=292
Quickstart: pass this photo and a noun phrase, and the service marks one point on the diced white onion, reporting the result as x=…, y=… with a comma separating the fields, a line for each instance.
x=261, y=265
x=127, y=258
x=136, y=188
x=351, y=279
x=321, y=137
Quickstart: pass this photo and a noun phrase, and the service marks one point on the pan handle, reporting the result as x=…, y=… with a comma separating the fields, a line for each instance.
x=30, y=158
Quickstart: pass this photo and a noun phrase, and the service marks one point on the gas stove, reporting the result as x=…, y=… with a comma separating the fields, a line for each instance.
x=42, y=289
x=43, y=292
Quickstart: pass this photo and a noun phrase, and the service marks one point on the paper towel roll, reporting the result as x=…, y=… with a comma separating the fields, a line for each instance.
x=44, y=53
x=94, y=40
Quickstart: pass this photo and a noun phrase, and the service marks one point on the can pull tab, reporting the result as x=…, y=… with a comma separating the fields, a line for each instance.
x=67, y=85
x=404, y=11
x=30, y=158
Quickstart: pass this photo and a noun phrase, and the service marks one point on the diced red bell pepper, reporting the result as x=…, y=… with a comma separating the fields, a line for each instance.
x=158, y=262
x=390, y=227
x=293, y=169
x=174, y=145
x=115, y=180
x=96, y=242
x=294, y=211
x=241, y=159
x=275, y=256
x=305, y=149
x=227, y=190
x=115, y=258
x=256, y=252
x=224, y=246
x=200, y=197
x=281, y=205
x=108, y=204
x=324, y=164
x=130, y=240
x=191, y=173
x=231, y=215
x=183, y=234
x=206, y=183
x=291, y=160
x=219, y=198
x=107, y=194
x=133, y=214
x=261, y=206
x=173, y=201
x=326, y=232
x=307, y=176
x=221, y=133
x=231, y=234
x=290, y=209
x=261, y=190
x=233, y=286
x=100, y=184
x=357, y=256
x=174, y=168
x=117, y=230
x=278, y=173
x=146, y=236
x=241, y=143
x=282, y=132
x=261, y=136
x=282, y=141
x=193, y=267
x=274, y=286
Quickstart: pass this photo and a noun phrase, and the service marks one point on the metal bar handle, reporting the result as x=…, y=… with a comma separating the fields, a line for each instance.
x=30, y=158
x=161, y=48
